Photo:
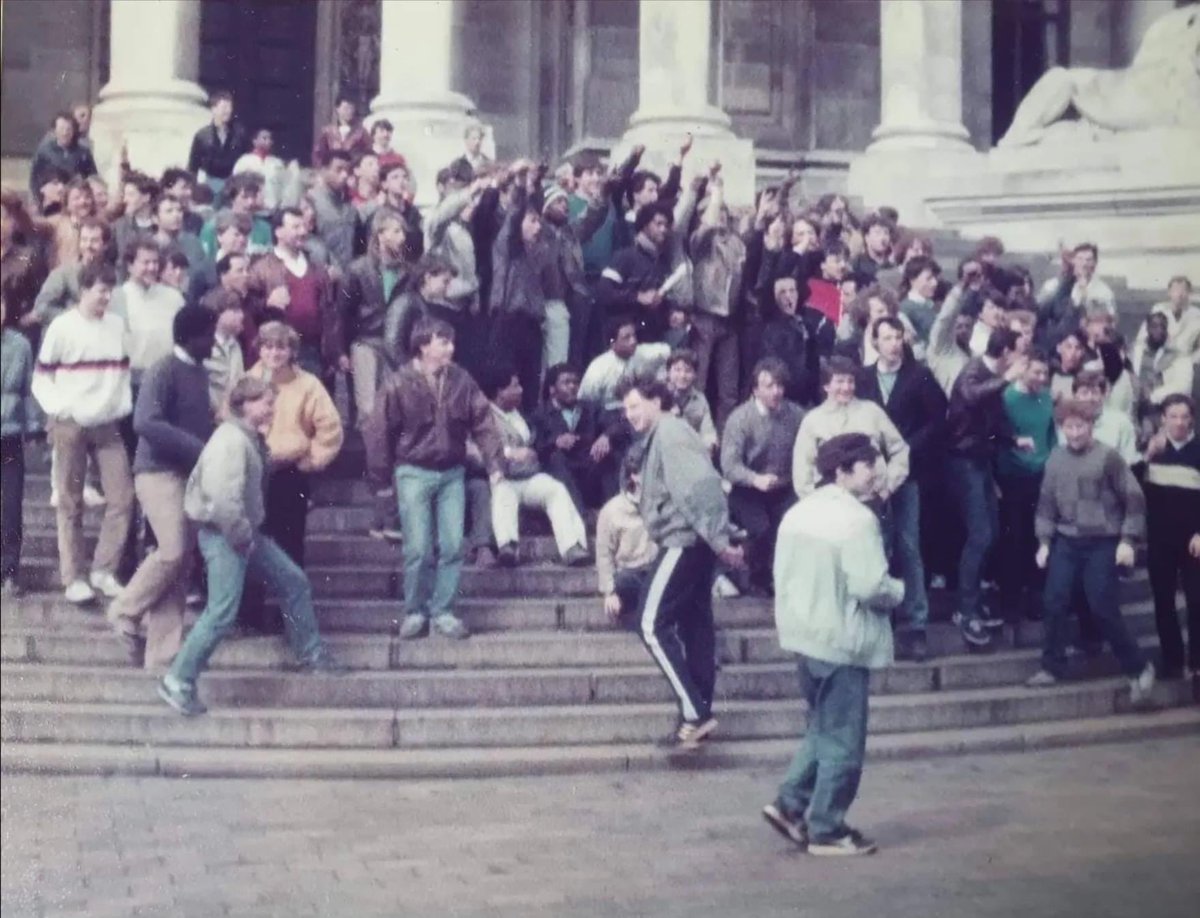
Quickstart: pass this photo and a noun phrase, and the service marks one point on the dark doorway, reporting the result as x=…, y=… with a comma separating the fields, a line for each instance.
x=1028, y=38
x=264, y=52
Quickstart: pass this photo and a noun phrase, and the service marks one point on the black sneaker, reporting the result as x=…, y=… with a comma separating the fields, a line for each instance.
x=794, y=830
x=507, y=555
x=321, y=662
x=975, y=633
x=852, y=844
x=914, y=647
x=181, y=697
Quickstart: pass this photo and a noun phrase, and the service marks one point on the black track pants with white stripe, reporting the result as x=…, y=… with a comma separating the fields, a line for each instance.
x=677, y=625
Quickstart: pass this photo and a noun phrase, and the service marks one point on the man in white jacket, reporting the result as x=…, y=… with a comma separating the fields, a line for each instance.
x=832, y=598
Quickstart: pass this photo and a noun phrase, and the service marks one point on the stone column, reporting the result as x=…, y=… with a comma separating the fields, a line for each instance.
x=674, y=61
x=416, y=65
x=921, y=75
x=920, y=145
x=151, y=105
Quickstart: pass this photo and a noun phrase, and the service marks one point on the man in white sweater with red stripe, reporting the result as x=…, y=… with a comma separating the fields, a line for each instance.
x=82, y=383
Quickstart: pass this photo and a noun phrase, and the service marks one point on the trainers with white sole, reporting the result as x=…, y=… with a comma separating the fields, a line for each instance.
x=92, y=497
x=852, y=844
x=794, y=830
x=79, y=593
x=1141, y=689
x=1041, y=679
x=106, y=583
x=724, y=588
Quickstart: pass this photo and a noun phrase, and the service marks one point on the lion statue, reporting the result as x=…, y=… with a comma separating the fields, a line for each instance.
x=1161, y=88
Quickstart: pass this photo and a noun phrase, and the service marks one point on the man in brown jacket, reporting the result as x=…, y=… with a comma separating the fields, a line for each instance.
x=286, y=286
x=417, y=437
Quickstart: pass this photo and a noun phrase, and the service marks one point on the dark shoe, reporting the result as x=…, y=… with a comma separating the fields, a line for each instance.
x=181, y=697
x=507, y=555
x=852, y=844
x=484, y=558
x=915, y=647
x=135, y=648
x=975, y=633
x=322, y=662
x=576, y=556
x=794, y=830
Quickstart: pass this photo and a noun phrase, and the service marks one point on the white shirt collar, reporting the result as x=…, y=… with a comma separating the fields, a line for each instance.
x=297, y=266
x=184, y=356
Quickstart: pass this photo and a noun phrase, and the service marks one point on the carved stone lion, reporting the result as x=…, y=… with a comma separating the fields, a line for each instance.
x=1160, y=89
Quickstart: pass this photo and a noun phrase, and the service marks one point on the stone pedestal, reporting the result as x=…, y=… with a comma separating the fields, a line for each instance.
x=673, y=55
x=151, y=105
x=416, y=45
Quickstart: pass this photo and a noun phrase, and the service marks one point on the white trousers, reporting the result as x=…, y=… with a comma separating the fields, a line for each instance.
x=556, y=334
x=541, y=492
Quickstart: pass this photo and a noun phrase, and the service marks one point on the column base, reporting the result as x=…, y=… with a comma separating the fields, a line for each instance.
x=908, y=177
x=662, y=134
x=429, y=133
x=923, y=135
x=155, y=125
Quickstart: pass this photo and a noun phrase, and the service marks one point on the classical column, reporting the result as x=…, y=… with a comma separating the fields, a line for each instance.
x=674, y=69
x=151, y=104
x=921, y=76
x=416, y=64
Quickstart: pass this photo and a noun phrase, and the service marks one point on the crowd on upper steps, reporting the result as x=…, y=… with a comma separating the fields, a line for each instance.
x=607, y=346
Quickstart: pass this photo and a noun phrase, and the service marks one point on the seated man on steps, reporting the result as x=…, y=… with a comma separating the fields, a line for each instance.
x=625, y=552
x=564, y=429
x=224, y=497
x=417, y=438
x=525, y=484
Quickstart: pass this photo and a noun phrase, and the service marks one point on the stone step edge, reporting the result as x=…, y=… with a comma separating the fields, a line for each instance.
x=501, y=762
x=1118, y=685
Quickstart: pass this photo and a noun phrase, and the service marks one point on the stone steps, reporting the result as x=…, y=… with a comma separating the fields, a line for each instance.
x=174, y=760
x=599, y=722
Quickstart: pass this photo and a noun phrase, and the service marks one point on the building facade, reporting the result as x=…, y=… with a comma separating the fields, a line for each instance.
x=801, y=79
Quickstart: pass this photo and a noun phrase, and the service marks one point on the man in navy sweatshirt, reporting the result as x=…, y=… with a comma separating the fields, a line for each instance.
x=172, y=419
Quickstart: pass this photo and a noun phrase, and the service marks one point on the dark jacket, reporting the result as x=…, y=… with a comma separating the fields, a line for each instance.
x=521, y=274
x=917, y=407
x=409, y=308
x=215, y=158
x=414, y=425
x=268, y=273
x=360, y=295
x=632, y=270
x=173, y=417
x=548, y=425
x=75, y=160
x=978, y=425
x=355, y=143
x=786, y=264
x=800, y=341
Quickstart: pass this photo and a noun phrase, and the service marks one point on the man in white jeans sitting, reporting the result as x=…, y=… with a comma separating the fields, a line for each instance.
x=524, y=483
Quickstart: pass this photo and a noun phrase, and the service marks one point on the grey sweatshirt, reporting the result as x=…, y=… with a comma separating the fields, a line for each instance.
x=682, y=500
x=225, y=489
x=1090, y=494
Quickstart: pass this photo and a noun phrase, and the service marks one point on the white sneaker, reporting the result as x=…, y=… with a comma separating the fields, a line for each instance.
x=937, y=582
x=79, y=593
x=723, y=588
x=92, y=497
x=1141, y=688
x=53, y=497
x=106, y=583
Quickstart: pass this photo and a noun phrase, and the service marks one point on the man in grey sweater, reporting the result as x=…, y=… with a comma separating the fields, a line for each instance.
x=224, y=498
x=1090, y=512
x=756, y=459
x=686, y=515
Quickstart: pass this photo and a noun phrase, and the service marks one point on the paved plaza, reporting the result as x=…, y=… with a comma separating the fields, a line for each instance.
x=1094, y=831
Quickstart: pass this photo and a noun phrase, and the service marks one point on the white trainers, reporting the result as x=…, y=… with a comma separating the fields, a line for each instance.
x=1141, y=688
x=106, y=583
x=723, y=588
x=92, y=497
x=79, y=593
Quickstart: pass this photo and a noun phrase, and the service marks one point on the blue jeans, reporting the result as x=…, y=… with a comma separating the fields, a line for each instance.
x=432, y=505
x=974, y=491
x=824, y=775
x=1091, y=561
x=227, y=571
x=904, y=537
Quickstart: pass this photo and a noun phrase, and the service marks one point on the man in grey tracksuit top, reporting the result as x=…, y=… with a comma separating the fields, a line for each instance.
x=687, y=516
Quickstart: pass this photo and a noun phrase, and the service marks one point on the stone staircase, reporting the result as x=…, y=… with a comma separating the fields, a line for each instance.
x=545, y=685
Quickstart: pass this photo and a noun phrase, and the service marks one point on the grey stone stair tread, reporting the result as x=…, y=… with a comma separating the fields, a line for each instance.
x=473, y=762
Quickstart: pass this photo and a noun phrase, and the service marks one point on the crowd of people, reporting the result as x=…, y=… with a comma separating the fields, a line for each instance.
x=737, y=402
